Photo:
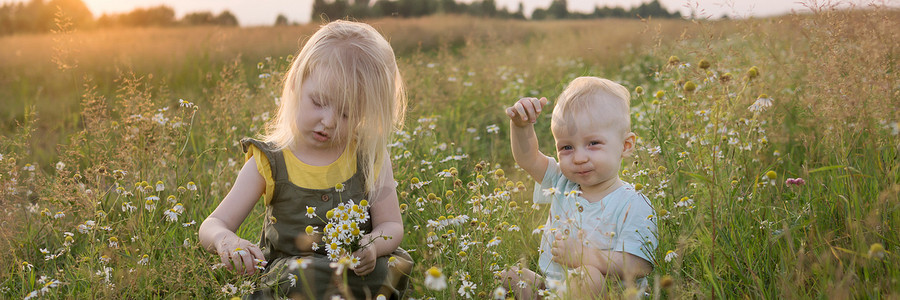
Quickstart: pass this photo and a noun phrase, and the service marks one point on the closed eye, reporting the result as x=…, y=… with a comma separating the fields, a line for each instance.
x=566, y=147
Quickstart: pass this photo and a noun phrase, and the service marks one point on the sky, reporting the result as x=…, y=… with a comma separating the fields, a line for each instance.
x=264, y=12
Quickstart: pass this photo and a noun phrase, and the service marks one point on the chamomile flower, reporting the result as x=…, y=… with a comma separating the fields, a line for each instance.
x=550, y=192
x=126, y=206
x=301, y=263
x=435, y=279
x=160, y=186
x=467, y=289
x=171, y=215
x=191, y=186
x=670, y=255
x=229, y=289
x=145, y=260
x=499, y=293
x=493, y=128
x=310, y=212
x=761, y=104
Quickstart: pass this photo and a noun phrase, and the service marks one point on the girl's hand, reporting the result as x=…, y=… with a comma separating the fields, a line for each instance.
x=526, y=111
x=366, y=255
x=240, y=255
x=568, y=251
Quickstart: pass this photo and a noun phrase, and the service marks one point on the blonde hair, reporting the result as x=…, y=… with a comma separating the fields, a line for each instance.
x=358, y=70
x=578, y=95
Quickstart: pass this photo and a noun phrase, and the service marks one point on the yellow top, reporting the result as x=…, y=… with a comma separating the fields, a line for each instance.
x=305, y=175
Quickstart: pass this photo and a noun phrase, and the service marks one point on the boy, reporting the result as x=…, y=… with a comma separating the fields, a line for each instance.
x=598, y=224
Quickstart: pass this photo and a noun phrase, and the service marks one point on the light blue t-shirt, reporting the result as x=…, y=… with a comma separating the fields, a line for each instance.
x=622, y=221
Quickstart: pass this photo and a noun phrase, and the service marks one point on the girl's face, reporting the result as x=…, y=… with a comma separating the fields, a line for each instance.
x=322, y=126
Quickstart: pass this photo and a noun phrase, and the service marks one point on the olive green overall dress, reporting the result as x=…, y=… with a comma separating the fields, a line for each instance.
x=284, y=240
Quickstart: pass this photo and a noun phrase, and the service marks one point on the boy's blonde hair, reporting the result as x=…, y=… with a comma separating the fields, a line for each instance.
x=358, y=71
x=578, y=95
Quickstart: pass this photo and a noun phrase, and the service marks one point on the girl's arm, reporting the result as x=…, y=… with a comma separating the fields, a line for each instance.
x=385, y=212
x=386, y=221
x=217, y=231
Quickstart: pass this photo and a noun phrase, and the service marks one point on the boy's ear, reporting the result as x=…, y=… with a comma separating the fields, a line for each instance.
x=628, y=144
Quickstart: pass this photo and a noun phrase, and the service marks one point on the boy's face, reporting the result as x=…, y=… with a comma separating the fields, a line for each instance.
x=590, y=145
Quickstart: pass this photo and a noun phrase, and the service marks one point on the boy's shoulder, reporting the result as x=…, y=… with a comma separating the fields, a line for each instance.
x=627, y=195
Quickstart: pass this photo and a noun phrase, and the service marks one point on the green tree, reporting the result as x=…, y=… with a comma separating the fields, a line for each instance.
x=281, y=20
x=226, y=18
x=558, y=9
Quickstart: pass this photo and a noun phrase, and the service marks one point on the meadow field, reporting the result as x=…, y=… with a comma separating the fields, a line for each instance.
x=768, y=147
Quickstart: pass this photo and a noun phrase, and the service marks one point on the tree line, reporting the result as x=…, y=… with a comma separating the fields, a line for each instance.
x=558, y=9
x=41, y=16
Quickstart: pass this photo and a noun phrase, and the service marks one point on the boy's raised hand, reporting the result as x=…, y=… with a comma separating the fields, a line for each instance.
x=526, y=110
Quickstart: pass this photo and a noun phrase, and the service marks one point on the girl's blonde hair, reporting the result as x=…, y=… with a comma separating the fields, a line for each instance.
x=357, y=69
x=576, y=96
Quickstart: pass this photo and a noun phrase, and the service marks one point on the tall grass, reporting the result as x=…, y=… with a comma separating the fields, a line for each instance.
x=730, y=224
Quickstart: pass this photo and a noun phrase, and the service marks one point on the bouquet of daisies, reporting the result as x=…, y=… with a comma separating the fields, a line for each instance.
x=342, y=235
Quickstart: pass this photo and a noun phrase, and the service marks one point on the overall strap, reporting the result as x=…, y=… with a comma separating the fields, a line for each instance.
x=276, y=158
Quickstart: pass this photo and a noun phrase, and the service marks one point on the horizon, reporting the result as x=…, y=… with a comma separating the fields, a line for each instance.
x=264, y=12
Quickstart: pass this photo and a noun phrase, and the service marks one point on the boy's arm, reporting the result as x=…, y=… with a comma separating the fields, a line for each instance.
x=523, y=140
x=573, y=252
x=622, y=264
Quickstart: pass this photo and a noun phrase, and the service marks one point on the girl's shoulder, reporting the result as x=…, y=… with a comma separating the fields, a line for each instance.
x=266, y=147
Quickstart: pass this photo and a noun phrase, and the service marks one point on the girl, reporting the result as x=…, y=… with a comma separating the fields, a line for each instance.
x=342, y=98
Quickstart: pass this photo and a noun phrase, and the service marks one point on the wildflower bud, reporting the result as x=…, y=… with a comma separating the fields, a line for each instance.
x=725, y=77
x=660, y=94
x=639, y=90
x=704, y=64
x=448, y=206
x=513, y=205
x=771, y=175
x=403, y=207
x=638, y=186
x=499, y=173
x=364, y=203
x=689, y=86
x=666, y=282
x=448, y=194
x=673, y=60
x=876, y=251
x=753, y=72
x=403, y=195
x=431, y=196
x=414, y=180
x=453, y=171
x=661, y=169
x=330, y=214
